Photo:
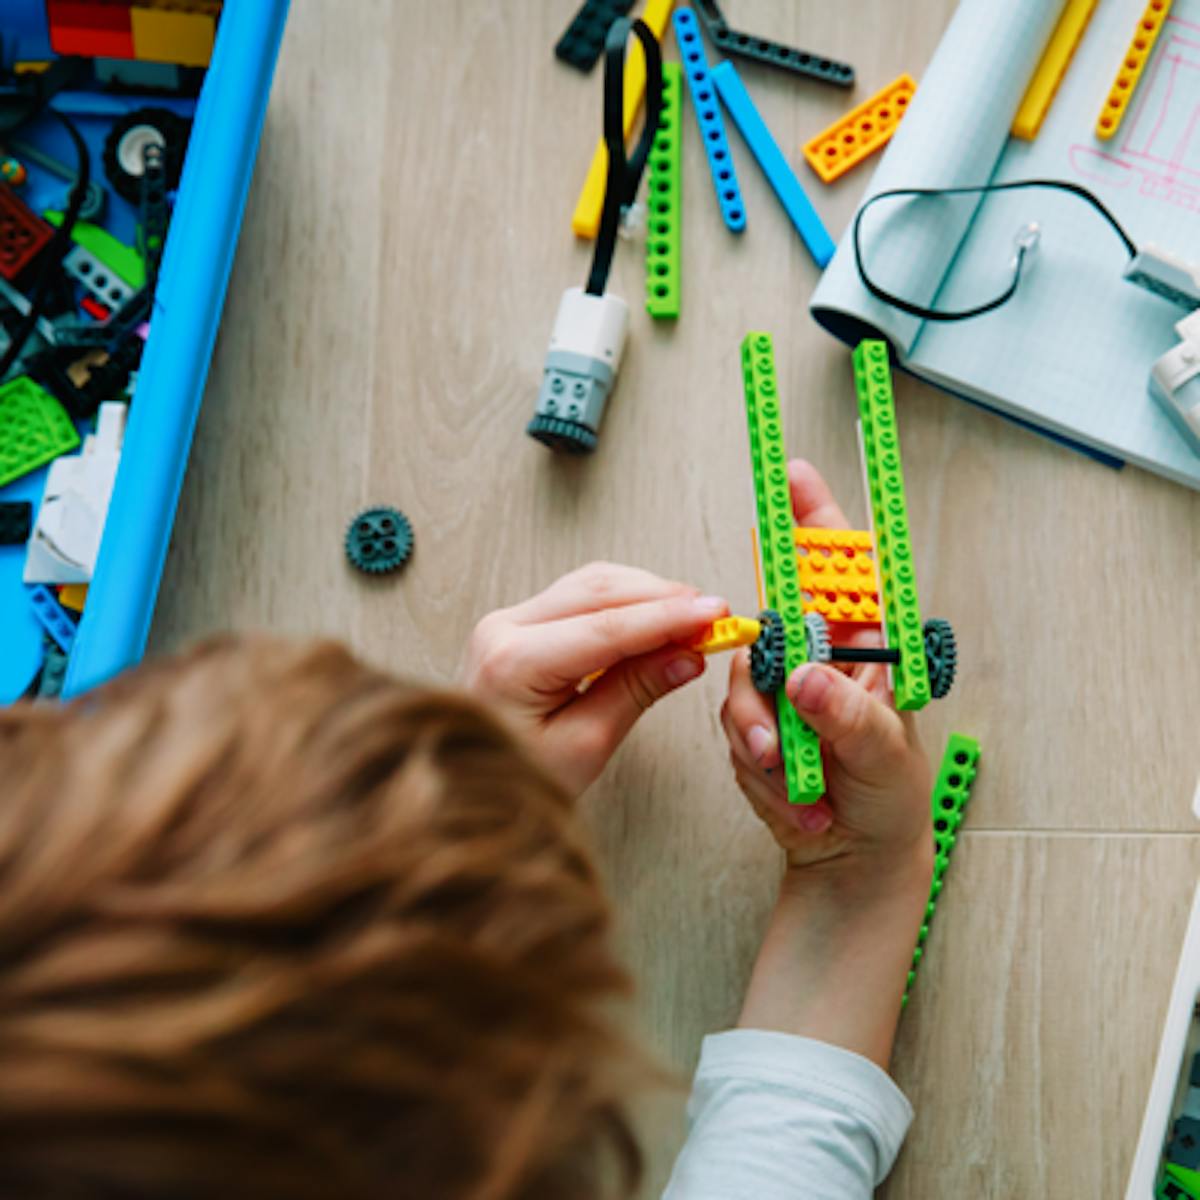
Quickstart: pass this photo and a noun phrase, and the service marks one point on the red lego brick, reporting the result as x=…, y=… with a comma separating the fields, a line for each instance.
x=97, y=29
x=114, y=15
x=23, y=234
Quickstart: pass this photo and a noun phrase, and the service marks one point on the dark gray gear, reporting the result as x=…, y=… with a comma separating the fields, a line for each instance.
x=941, y=653
x=816, y=634
x=569, y=437
x=768, y=655
x=379, y=540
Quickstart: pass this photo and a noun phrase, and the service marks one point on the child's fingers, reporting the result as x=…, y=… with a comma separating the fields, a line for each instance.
x=562, y=652
x=864, y=734
x=608, y=711
x=594, y=587
x=812, y=501
x=751, y=715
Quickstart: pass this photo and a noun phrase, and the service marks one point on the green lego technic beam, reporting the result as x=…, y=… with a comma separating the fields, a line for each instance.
x=950, y=795
x=664, y=237
x=1187, y=1180
x=889, y=517
x=780, y=572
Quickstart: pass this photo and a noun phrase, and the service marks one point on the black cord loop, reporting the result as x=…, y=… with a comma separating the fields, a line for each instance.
x=624, y=174
x=932, y=314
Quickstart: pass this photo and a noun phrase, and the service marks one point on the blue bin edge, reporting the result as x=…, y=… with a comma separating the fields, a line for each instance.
x=197, y=263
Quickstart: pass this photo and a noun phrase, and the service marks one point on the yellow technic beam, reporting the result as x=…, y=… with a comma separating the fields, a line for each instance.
x=586, y=221
x=1130, y=71
x=1056, y=58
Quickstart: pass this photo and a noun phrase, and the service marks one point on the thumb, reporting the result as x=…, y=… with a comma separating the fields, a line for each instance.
x=626, y=691
x=865, y=735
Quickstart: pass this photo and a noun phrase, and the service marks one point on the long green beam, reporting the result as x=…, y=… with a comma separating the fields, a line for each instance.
x=950, y=795
x=664, y=237
x=777, y=549
x=889, y=518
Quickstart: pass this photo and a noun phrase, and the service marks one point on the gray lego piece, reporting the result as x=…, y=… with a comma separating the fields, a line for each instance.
x=85, y=268
x=574, y=388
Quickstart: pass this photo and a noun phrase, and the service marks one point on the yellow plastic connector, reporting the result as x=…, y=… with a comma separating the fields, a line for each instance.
x=837, y=574
x=1055, y=60
x=586, y=221
x=73, y=596
x=860, y=132
x=1121, y=92
x=728, y=634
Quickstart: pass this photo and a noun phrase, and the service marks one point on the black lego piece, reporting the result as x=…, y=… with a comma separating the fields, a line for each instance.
x=105, y=380
x=1194, y=1073
x=126, y=140
x=773, y=54
x=1184, y=1147
x=16, y=522
x=583, y=42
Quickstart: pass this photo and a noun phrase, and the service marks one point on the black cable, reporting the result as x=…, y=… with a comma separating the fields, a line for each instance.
x=932, y=314
x=624, y=175
x=52, y=255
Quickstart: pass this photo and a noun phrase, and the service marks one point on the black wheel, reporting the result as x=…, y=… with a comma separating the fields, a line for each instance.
x=126, y=140
x=941, y=654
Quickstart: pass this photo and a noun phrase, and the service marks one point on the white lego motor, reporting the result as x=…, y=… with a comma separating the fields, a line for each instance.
x=581, y=366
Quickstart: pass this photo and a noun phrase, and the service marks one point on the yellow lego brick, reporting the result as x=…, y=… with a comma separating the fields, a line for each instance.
x=173, y=31
x=30, y=68
x=1121, y=92
x=586, y=221
x=728, y=634
x=837, y=574
x=1055, y=60
x=73, y=595
x=860, y=132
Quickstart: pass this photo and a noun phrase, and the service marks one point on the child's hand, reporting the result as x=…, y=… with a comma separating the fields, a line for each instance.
x=877, y=776
x=529, y=660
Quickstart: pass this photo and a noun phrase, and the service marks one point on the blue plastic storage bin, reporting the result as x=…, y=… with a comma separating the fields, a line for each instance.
x=191, y=291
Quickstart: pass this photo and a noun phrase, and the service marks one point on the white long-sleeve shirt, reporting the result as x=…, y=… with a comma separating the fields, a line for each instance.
x=779, y=1117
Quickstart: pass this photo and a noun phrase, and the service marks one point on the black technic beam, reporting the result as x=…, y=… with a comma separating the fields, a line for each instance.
x=762, y=50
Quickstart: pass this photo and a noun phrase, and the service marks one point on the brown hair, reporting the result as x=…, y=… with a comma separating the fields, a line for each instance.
x=273, y=924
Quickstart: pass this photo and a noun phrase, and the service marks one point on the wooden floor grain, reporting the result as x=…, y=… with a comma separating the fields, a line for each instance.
x=405, y=247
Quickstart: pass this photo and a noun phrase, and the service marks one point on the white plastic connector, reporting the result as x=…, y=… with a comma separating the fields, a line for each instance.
x=581, y=366
x=70, y=523
x=1175, y=380
x=1165, y=275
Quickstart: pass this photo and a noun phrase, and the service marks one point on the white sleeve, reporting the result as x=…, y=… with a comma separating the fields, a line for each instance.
x=779, y=1117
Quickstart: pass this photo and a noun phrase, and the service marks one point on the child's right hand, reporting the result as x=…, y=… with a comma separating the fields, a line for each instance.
x=877, y=775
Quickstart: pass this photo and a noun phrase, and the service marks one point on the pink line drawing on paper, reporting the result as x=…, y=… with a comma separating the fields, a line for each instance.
x=1160, y=141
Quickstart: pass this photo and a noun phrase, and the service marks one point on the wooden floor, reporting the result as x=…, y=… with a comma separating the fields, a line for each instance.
x=406, y=244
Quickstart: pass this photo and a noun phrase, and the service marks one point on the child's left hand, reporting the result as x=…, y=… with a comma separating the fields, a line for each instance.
x=527, y=661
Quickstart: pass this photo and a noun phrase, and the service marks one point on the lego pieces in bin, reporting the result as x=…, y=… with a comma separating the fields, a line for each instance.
x=862, y=131
x=712, y=126
x=774, y=165
x=82, y=379
x=167, y=31
x=583, y=41
x=34, y=429
x=16, y=522
x=23, y=235
x=94, y=198
x=664, y=240
x=54, y=673
x=104, y=286
x=70, y=524
x=772, y=54
x=1184, y=1147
